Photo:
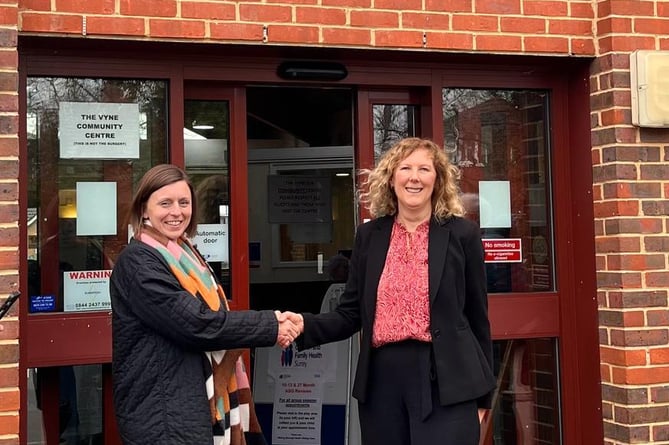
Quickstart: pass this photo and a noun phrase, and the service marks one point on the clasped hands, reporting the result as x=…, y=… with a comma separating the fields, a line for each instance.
x=291, y=325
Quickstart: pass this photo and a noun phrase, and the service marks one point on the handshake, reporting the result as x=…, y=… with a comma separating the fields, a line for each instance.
x=291, y=325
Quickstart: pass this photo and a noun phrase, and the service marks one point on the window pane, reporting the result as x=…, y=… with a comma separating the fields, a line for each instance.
x=79, y=409
x=315, y=220
x=89, y=143
x=392, y=123
x=526, y=406
x=281, y=117
x=499, y=139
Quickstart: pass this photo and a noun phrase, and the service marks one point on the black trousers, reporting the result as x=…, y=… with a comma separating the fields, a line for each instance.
x=402, y=405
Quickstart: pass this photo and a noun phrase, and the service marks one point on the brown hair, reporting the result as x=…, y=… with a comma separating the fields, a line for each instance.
x=156, y=178
x=381, y=199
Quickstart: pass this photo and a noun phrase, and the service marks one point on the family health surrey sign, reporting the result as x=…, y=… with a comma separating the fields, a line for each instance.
x=93, y=130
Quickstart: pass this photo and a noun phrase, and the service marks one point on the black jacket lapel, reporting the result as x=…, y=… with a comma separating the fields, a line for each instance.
x=376, y=260
x=436, y=253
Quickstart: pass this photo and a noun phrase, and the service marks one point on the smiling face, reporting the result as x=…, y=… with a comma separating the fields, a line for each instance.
x=413, y=182
x=169, y=209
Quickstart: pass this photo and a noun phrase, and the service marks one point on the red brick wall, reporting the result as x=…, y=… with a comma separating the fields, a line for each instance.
x=631, y=193
x=562, y=27
x=9, y=213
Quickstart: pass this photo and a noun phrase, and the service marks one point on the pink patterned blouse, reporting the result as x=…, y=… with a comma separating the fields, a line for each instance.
x=402, y=305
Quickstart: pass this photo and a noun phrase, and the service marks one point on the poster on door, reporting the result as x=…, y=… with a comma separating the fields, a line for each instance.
x=298, y=407
x=86, y=290
x=503, y=250
x=93, y=130
x=211, y=241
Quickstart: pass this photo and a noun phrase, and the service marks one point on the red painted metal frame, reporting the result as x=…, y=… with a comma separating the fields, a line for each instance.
x=569, y=314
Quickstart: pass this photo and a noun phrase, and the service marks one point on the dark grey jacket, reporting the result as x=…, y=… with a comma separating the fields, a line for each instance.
x=461, y=342
x=159, y=333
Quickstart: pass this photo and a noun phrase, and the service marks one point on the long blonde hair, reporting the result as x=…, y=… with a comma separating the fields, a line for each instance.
x=381, y=200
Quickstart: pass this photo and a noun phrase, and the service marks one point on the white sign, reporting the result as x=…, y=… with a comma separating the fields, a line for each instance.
x=93, y=130
x=86, y=290
x=211, y=241
x=495, y=203
x=96, y=208
x=298, y=407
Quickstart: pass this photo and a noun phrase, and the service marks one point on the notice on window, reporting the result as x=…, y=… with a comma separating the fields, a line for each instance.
x=502, y=250
x=298, y=407
x=495, y=204
x=93, y=130
x=86, y=290
x=211, y=241
x=298, y=378
x=299, y=199
x=96, y=208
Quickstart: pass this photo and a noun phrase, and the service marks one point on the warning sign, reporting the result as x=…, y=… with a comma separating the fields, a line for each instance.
x=502, y=250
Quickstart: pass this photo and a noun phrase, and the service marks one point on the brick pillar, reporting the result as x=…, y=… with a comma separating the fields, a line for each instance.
x=631, y=193
x=9, y=228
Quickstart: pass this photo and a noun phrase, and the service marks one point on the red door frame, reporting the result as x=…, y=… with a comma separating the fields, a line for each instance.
x=569, y=314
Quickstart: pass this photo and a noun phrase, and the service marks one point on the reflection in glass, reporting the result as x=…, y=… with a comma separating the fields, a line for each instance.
x=78, y=414
x=392, y=123
x=305, y=232
x=57, y=246
x=526, y=408
x=501, y=137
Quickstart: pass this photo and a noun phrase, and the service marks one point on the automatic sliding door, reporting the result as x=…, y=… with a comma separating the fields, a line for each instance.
x=301, y=228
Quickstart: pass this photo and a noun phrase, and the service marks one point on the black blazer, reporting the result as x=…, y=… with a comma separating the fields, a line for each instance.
x=461, y=343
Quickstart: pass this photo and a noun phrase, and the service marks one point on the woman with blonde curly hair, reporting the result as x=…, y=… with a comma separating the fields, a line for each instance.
x=416, y=290
x=382, y=200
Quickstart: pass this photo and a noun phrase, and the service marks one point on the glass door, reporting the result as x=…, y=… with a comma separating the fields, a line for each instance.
x=215, y=160
x=499, y=139
x=89, y=140
x=206, y=160
x=301, y=224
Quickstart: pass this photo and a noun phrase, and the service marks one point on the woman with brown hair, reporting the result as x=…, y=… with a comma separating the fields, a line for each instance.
x=178, y=377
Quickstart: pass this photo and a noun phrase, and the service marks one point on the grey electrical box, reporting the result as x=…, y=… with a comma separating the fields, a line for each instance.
x=649, y=77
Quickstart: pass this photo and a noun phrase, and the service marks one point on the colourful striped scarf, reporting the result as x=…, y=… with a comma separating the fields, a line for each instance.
x=233, y=417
